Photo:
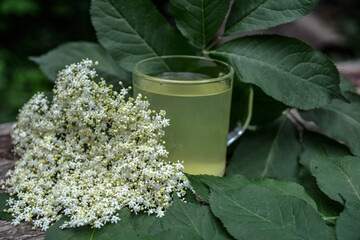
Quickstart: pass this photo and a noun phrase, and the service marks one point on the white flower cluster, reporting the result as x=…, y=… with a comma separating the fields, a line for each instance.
x=89, y=154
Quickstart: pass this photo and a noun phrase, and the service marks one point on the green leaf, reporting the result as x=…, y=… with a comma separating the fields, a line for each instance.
x=339, y=120
x=346, y=86
x=3, y=206
x=120, y=230
x=205, y=182
x=199, y=20
x=190, y=197
x=249, y=213
x=199, y=187
x=177, y=233
x=265, y=108
x=149, y=224
x=198, y=218
x=80, y=233
x=129, y=235
x=347, y=227
x=327, y=207
x=261, y=14
x=284, y=189
x=338, y=177
x=55, y=60
x=286, y=69
x=135, y=30
x=314, y=146
x=269, y=152
x=201, y=183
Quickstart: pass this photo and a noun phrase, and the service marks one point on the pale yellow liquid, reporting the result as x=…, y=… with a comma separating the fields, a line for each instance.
x=199, y=119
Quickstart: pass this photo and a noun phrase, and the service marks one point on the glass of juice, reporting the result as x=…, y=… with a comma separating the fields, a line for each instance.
x=196, y=93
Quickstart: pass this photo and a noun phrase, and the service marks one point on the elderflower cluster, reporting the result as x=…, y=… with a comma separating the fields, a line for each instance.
x=88, y=154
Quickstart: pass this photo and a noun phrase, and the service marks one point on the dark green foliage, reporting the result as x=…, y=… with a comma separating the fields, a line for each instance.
x=347, y=227
x=81, y=233
x=199, y=20
x=284, y=68
x=252, y=213
x=68, y=53
x=3, y=206
x=261, y=14
x=30, y=28
x=272, y=151
x=315, y=146
x=197, y=218
x=339, y=120
x=135, y=30
x=338, y=177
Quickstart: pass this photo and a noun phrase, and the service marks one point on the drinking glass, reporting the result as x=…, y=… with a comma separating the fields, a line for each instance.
x=196, y=94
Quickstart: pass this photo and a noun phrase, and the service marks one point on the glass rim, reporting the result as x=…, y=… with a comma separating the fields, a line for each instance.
x=173, y=81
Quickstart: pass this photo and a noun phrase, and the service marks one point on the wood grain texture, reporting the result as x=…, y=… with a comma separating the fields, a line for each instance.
x=22, y=231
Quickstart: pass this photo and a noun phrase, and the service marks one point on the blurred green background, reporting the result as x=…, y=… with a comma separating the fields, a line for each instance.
x=33, y=27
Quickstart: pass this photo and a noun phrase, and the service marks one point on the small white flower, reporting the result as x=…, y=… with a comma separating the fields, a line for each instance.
x=160, y=213
x=15, y=222
x=114, y=219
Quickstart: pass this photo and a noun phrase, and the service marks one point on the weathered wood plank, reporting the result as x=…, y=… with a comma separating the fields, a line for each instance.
x=22, y=231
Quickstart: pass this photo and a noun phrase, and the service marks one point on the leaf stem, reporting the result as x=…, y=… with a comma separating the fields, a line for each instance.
x=92, y=235
x=330, y=219
x=214, y=43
